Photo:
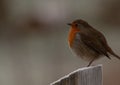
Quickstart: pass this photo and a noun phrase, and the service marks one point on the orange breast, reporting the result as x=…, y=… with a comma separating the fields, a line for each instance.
x=71, y=36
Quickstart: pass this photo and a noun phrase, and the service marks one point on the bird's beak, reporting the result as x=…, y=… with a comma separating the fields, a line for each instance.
x=69, y=24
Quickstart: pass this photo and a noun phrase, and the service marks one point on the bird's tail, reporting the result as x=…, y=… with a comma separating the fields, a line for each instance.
x=115, y=55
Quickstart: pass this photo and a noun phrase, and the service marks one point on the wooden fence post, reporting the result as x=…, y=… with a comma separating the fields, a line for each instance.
x=84, y=76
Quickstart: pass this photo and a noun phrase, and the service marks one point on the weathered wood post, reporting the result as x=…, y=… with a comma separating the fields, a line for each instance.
x=84, y=76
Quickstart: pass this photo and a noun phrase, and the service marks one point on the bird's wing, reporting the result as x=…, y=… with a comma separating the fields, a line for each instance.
x=94, y=43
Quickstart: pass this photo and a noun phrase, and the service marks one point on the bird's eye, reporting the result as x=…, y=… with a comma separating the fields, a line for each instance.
x=76, y=25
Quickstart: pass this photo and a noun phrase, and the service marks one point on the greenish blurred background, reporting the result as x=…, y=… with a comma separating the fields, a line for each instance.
x=33, y=39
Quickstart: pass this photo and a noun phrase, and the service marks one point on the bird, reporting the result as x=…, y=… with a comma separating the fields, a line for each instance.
x=87, y=42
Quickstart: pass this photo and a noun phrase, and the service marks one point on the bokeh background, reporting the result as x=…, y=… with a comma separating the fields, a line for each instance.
x=33, y=39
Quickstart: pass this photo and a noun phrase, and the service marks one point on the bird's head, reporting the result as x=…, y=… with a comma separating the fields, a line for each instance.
x=79, y=24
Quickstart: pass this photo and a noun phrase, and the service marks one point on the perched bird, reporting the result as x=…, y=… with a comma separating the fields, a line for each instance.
x=87, y=42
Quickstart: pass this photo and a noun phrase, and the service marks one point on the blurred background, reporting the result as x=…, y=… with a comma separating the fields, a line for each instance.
x=33, y=39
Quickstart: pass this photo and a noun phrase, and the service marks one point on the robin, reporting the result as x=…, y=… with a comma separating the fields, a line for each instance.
x=88, y=43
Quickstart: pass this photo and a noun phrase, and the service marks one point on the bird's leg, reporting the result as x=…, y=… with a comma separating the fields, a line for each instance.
x=90, y=62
